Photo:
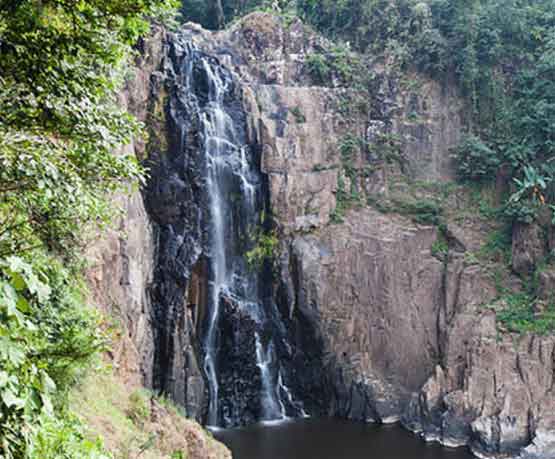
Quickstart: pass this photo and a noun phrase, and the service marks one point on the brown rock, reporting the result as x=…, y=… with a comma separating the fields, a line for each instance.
x=529, y=247
x=372, y=290
x=546, y=285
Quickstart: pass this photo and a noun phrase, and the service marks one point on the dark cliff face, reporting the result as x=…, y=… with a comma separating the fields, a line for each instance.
x=221, y=343
x=175, y=202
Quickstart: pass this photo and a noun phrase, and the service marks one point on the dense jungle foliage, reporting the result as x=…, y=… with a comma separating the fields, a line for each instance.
x=61, y=63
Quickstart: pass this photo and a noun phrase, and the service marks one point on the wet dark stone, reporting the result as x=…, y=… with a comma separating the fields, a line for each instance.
x=177, y=198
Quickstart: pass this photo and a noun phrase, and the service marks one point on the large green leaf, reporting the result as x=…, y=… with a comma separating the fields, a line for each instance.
x=11, y=400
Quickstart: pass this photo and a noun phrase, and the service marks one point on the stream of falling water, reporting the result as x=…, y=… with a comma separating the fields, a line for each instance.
x=227, y=161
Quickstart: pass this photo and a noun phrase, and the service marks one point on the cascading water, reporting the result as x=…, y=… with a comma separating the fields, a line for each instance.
x=240, y=360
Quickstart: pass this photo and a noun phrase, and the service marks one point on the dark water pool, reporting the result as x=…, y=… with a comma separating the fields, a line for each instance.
x=331, y=439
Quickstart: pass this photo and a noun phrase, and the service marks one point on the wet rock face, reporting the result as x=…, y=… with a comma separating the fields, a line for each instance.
x=217, y=332
x=175, y=203
x=239, y=376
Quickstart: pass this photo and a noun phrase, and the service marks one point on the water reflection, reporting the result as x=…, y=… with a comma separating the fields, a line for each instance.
x=331, y=439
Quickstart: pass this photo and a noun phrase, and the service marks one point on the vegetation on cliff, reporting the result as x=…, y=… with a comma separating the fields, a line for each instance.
x=502, y=54
x=60, y=65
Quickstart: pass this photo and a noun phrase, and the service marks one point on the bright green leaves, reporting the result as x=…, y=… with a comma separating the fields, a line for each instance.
x=10, y=400
x=47, y=336
x=51, y=190
x=20, y=289
x=11, y=352
x=264, y=249
x=60, y=65
x=23, y=277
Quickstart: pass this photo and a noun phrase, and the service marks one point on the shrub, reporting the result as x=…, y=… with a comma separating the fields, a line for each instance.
x=64, y=438
x=47, y=337
x=319, y=69
x=139, y=406
x=422, y=211
x=498, y=246
x=264, y=250
x=517, y=315
x=298, y=115
x=440, y=248
x=475, y=160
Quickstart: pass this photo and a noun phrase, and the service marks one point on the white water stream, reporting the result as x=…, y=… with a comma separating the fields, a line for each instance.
x=227, y=160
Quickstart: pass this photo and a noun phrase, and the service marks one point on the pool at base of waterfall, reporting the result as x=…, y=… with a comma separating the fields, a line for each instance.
x=331, y=439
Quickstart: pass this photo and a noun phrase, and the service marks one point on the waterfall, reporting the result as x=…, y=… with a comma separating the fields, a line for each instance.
x=240, y=359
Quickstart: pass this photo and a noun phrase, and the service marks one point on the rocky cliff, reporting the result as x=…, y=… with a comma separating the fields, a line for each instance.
x=383, y=278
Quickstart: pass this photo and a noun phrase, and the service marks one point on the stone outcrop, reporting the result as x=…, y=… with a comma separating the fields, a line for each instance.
x=499, y=399
x=529, y=247
x=372, y=290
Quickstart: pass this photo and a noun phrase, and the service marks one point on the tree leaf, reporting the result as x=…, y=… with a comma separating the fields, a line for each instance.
x=11, y=400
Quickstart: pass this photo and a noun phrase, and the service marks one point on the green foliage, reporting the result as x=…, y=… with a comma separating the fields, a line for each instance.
x=298, y=115
x=517, y=315
x=475, y=160
x=337, y=64
x=349, y=147
x=59, y=126
x=388, y=147
x=530, y=195
x=47, y=337
x=51, y=191
x=139, y=406
x=318, y=68
x=396, y=29
x=64, y=438
x=264, y=250
x=215, y=14
x=498, y=247
x=440, y=248
x=423, y=211
x=342, y=200
x=507, y=69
